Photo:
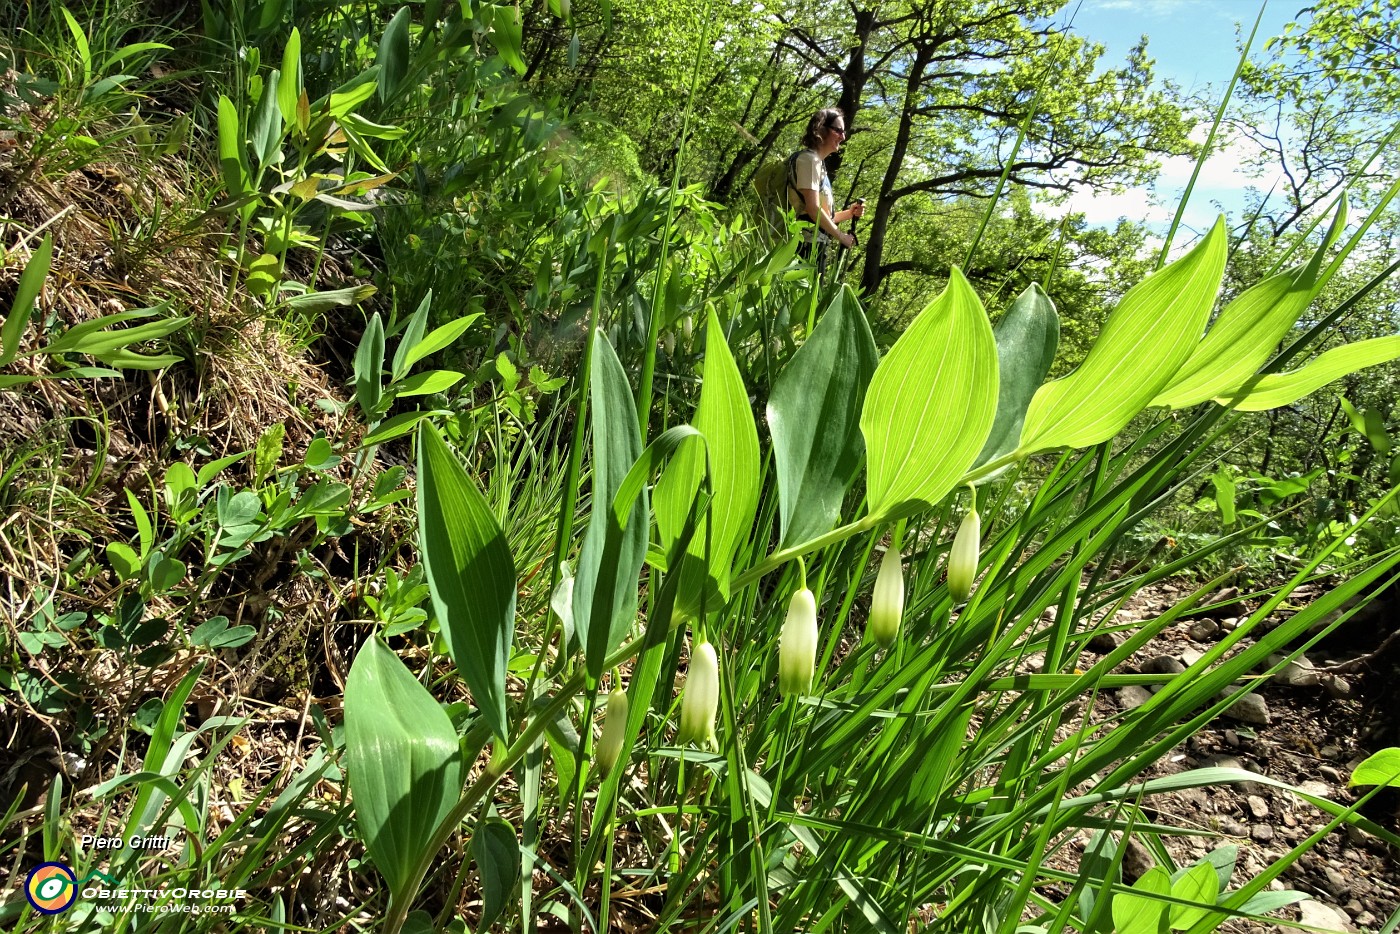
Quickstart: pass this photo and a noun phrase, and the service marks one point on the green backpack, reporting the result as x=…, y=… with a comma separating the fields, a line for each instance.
x=771, y=184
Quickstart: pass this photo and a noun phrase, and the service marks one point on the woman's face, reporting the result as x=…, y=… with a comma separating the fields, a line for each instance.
x=835, y=134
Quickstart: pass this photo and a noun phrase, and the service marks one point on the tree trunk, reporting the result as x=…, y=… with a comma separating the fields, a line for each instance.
x=872, y=272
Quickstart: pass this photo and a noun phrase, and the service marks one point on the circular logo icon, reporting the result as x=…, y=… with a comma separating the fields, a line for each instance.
x=51, y=888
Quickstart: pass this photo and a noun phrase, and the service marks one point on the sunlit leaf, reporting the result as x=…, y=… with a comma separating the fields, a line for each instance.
x=1143, y=344
x=931, y=402
x=1279, y=389
x=470, y=573
x=402, y=759
x=1027, y=337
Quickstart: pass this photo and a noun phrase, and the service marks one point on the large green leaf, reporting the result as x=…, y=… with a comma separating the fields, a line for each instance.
x=394, y=54
x=31, y=281
x=403, y=762
x=505, y=34
x=605, y=587
x=1277, y=389
x=814, y=416
x=1247, y=331
x=497, y=855
x=931, y=402
x=1142, y=914
x=731, y=443
x=1382, y=768
x=470, y=572
x=369, y=366
x=1027, y=337
x=1144, y=343
x=289, y=82
x=232, y=163
x=1199, y=884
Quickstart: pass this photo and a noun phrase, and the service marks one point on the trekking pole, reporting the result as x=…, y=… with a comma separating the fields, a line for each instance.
x=841, y=260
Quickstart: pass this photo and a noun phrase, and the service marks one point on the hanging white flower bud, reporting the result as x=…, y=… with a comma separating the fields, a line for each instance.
x=962, y=560
x=797, y=646
x=887, y=602
x=614, y=731
x=700, y=697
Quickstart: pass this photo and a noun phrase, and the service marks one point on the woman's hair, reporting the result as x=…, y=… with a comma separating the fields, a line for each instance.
x=822, y=119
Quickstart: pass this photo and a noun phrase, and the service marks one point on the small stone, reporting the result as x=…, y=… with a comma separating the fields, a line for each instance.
x=1338, y=688
x=1258, y=807
x=1230, y=623
x=1356, y=836
x=1336, y=884
x=1251, y=708
x=1316, y=789
x=1190, y=656
x=1320, y=916
x=1104, y=642
x=1331, y=752
x=1136, y=859
x=1261, y=833
x=1232, y=738
x=1203, y=630
x=1299, y=673
x=1232, y=828
x=1134, y=695
x=1331, y=774
x=1365, y=919
x=1163, y=665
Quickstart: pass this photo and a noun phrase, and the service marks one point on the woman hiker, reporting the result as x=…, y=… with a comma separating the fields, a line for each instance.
x=810, y=193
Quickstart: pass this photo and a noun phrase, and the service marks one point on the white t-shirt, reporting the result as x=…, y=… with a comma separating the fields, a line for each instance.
x=809, y=174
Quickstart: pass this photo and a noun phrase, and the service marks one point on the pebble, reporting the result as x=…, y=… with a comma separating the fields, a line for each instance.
x=1251, y=708
x=1190, y=656
x=1320, y=916
x=1232, y=828
x=1331, y=774
x=1258, y=807
x=1232, y=738
x=1104, y=642
x=1134, y=695
x=1203, y=630
x=1261, y=833
x=1164, y=665
x=1336, y=883
x=1299, y=673
x=1230, y=623
x=1316, y=789
x=1339, y=688
x=1331, y=752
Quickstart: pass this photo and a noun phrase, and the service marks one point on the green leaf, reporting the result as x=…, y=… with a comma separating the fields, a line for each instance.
x=231, y=159
x=1200, y=884
x=264, y=272
x=814, y=416
x=1027, y=337
x=289, y=79
x=605, y=584
x=393, y=54
x=266, y=128
x=398, y=426
x=267, y=453
x=1140, y=914
x=470, y=573
x=505, y=35
x=438, y=339
x=352, y=93
x=1374, y=423
x=412, y=335
x=123, y=559
x=316, y=302
x=369, y=364
x=497, y=855
x=1247, y=331
x=403, y=764
x=31, y=282
x=931, y=402
x=320, y=455
x=164, y=573
x=731, y=442
x=104, y=340
x=1278, y=389
x=1146, y=340
x=421, y=384
x=1382, y=768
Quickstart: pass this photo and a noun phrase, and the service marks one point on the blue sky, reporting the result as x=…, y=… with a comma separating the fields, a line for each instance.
x=1194, y=44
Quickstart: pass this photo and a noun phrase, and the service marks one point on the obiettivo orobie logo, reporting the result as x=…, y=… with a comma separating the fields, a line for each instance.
x=53, y=887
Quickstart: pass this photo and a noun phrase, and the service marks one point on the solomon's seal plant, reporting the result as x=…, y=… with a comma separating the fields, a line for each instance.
x=797, y=646
x=887, y=602
x=700, y=697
